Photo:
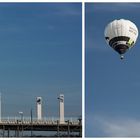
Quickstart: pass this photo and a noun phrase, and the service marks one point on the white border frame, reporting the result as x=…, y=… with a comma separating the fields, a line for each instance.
x=83, y=69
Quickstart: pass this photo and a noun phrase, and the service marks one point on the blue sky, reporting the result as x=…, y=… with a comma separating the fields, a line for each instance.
x=112, y=86
x=40, y=55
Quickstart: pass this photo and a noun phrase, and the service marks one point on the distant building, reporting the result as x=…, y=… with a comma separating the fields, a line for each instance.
x=39, y=108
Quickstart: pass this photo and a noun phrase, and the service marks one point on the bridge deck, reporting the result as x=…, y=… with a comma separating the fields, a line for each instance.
x=41, y=125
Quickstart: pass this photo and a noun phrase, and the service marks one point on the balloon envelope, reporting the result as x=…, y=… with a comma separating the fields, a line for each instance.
x=121, y=35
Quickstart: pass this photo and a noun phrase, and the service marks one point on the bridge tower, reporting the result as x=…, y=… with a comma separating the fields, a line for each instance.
x=39, y=108
x=61, y=108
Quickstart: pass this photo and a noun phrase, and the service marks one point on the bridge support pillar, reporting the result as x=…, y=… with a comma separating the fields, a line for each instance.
x=58, y=128
x=80, y=129
x=8, y=132
x=68, y=128
x=17, y=133
x=3, y=131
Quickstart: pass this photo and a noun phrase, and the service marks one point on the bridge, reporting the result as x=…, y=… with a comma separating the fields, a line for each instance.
x=17, y=127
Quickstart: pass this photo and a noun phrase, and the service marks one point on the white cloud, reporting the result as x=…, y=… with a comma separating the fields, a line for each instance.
x=122, y=128
x=117, y=127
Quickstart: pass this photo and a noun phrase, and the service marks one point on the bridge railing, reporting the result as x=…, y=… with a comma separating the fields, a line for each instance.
x=27, y=120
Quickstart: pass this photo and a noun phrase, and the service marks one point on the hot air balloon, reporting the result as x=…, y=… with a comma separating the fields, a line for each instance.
x=121, y=35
